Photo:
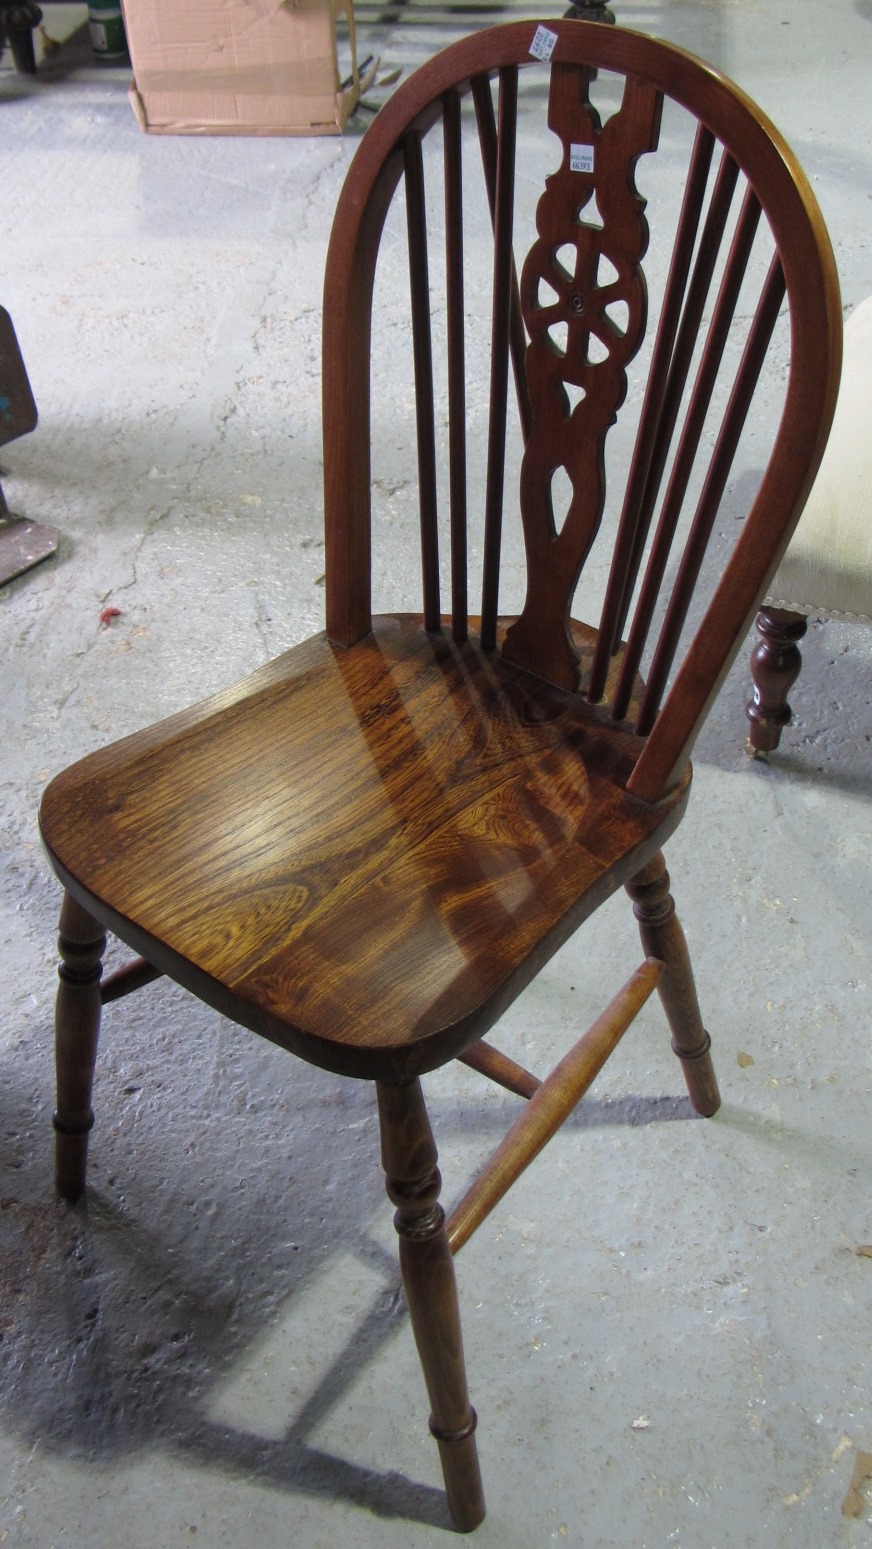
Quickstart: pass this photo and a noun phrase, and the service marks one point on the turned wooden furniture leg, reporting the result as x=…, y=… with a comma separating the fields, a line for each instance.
x=775, y=664
x=409, y=1159
x=662, y=937
x=82, y=943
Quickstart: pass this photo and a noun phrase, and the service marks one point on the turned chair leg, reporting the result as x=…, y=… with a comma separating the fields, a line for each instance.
x=82, y=943
x=775, y=664
x=663, y=938
x=413, y=1182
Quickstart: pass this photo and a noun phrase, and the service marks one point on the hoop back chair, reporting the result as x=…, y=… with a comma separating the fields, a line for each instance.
x=367, y=849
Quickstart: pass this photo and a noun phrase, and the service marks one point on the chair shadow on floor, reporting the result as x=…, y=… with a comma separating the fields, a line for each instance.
x=115, y=1336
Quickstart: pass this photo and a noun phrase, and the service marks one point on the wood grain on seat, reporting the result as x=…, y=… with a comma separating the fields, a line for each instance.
x=360, y=849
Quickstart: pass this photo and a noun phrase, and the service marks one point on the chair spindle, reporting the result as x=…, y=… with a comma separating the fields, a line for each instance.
x=732, y=425
x=692, y=300
x=698, y=407
x=638, y=500
x=422, y=347
x=500, y=335
x=679, y=369
x=487, y=135
x=551, y=1104
x=456, y=364
x=689, y=441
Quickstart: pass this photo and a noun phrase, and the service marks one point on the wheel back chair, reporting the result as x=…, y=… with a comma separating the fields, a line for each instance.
x=367, y=849
x=827, y=570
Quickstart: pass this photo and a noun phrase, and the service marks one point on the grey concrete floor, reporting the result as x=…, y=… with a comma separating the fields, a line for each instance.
x=667, y=1323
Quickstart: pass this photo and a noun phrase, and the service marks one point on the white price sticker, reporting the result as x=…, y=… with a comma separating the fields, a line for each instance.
x=581, y=158
x=542, y=46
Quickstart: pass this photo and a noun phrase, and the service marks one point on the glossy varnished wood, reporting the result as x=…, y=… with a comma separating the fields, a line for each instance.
x=670, y=362
x=500, y=1068
x=775, y=183
x=127, y=979
x=367, y=849
x=575, y=440
x=413, y=1182
x=776, y=661
x=663, y=938
x=81, y=942
x=501, y=334
x=363, y=854
x=550, y=1105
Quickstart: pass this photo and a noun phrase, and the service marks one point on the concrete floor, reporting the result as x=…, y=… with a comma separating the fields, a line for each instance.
x=667, y=1323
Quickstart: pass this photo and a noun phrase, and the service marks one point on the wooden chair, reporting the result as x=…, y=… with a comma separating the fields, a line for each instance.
x=367, y=849
x=827, y=570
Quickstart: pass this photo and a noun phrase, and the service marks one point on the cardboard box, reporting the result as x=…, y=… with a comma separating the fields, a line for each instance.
x=266, y=67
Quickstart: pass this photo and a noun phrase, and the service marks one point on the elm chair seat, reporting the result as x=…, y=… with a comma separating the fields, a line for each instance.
x=368, y=849
x=375, y=925
x=827, y=569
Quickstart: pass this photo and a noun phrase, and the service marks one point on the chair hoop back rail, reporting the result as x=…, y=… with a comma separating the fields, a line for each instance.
x=366, y=850
x=802, y=266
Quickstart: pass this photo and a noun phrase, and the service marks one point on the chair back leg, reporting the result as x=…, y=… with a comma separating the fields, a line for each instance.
x=663, y=938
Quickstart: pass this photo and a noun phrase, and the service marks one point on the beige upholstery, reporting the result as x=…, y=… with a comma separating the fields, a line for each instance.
x=827, y=569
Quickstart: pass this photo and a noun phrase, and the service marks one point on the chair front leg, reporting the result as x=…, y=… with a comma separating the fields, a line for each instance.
x=409, y=1159
x=663, y=937
x=82, y=943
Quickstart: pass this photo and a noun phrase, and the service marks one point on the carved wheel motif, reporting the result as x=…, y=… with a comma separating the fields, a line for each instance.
x=583, y=299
